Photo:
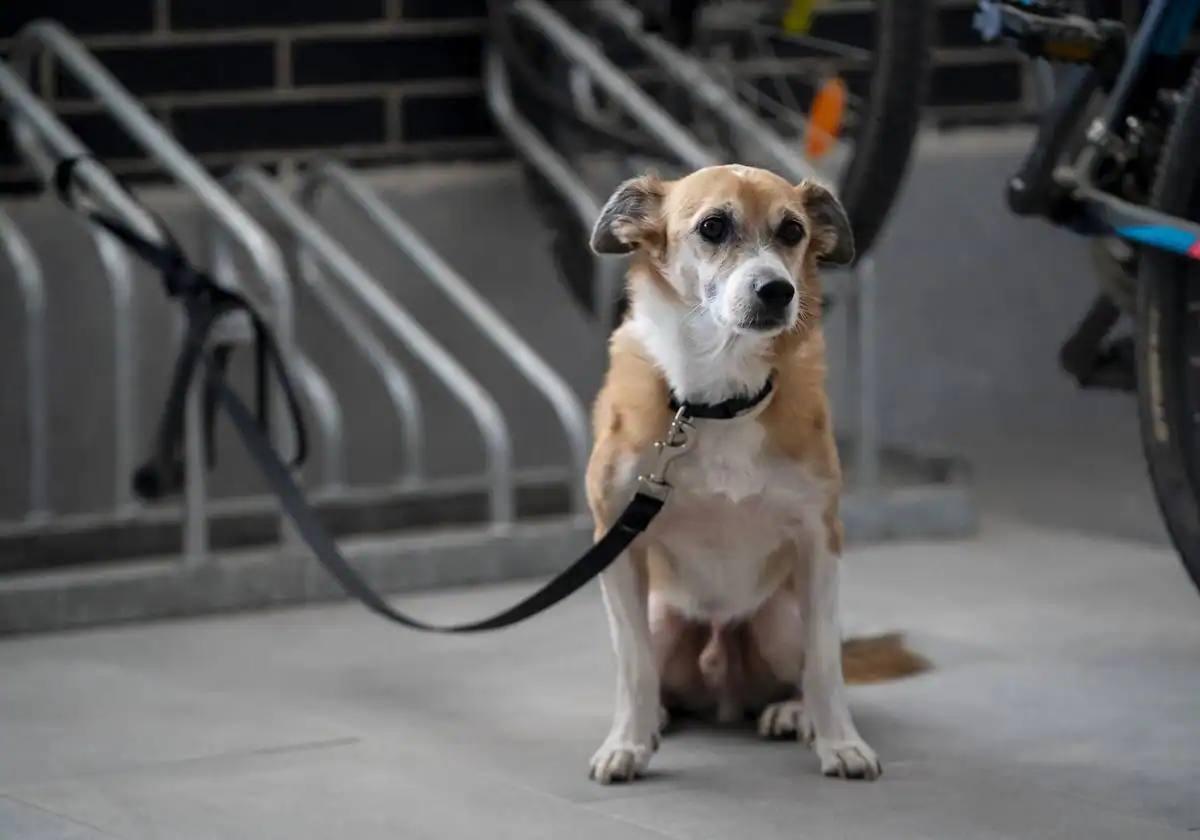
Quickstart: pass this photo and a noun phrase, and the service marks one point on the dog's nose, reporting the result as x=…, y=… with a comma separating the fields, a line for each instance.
x=775, y=294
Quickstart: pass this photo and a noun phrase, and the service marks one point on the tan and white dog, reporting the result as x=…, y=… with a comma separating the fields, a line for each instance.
x=729, y=602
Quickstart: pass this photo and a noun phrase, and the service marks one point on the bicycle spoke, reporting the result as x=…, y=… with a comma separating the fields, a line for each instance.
x=814, y=42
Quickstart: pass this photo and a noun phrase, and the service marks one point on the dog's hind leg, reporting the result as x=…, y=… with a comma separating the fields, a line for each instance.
x=777, y=637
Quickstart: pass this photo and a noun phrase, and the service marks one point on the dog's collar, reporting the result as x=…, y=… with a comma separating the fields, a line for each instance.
x=726, y=409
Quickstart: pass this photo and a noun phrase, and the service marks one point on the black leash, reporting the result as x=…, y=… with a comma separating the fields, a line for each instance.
x=205, y=302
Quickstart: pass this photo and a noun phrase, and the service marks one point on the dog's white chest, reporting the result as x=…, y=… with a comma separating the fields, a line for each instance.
x=734, y=504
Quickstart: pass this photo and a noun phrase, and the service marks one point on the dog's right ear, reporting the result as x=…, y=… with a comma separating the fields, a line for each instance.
x=631, y=218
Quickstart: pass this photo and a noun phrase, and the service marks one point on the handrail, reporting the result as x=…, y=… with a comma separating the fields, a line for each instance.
x=632, y=98
x=32, y=121
x=566, y=405
x=402, y=393
x=30, y=284
x=493, y=428
x=700, y=85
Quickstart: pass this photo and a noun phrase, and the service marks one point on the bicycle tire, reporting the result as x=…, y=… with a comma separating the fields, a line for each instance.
x=1168, y=339
x=871, y=181
x=895, y=94
x=883, y=148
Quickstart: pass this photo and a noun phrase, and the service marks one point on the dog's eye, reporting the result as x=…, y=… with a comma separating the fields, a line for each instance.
x=790, y=232
x=714, y=228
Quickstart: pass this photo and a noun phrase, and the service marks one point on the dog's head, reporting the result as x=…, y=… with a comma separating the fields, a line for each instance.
x=737, y=244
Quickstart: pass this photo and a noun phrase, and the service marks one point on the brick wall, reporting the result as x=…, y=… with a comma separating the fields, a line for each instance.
x=258, y=80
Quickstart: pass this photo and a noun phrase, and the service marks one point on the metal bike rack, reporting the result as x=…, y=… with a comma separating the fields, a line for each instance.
x=755, y=134
x=639, y=105
x=609, y=274
x=328, y=411
x=493, y=428
x=28, y=274
x=567, y=408
x=706, y=90
x=34, y=126
x=937, y=502
x=403, y=395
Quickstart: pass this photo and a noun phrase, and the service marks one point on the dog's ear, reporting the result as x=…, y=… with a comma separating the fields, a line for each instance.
x=631, y=218
x=832, y=238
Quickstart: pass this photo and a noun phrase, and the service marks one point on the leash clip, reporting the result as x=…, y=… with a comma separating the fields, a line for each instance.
x=677, y=442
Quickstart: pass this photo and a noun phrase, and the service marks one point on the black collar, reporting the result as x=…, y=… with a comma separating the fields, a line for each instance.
x=726, y=409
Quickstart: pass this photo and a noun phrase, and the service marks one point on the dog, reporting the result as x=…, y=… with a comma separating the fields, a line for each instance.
x=728, y=603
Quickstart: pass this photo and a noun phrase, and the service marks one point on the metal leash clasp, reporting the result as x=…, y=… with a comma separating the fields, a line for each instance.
x=678, y=441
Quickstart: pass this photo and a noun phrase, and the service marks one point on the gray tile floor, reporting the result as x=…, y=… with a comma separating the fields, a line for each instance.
x=1065, y=702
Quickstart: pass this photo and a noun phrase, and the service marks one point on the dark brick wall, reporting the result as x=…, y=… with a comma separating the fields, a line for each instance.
x=260, y=79
x=375, y=79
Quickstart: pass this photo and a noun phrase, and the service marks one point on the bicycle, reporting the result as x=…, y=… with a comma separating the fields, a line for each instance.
x=1117, y=158
x=844, y=82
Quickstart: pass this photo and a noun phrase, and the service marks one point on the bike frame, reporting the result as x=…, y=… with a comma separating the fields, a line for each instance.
x=1069, y=194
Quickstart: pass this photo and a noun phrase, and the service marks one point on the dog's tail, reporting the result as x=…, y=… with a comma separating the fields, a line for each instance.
x=871, y=659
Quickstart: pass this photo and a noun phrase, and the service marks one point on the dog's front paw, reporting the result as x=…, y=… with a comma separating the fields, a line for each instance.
x=785, y=720
x=849, y=759
x=619, y=761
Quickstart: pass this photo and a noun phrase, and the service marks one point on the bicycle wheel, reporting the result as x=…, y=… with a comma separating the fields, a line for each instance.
x=844, y=81
x=860, y=67
x=1168, y=338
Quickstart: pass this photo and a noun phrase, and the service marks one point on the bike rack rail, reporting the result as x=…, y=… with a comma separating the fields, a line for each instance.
x=402, y=393
x=35, y=126
x=859, y=313
x=490, y=421
x=28, y=274
x=32, y=122
x=609, y=274
x=706, y=90
x=566, y=405
x=639, y=105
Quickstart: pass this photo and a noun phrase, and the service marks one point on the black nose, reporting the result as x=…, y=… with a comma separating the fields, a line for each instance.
x=775, y=294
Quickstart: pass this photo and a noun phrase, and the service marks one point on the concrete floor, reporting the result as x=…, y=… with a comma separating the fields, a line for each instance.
x=1064, y=703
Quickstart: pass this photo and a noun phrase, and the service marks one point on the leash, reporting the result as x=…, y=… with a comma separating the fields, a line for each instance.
x=204, y=303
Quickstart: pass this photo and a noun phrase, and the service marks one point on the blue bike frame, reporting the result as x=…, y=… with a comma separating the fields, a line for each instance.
x=1163, y=31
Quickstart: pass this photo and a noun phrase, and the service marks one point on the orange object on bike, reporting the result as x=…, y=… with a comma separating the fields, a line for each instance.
x=825, y=117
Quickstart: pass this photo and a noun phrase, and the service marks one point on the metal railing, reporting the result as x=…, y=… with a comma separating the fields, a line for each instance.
x=489, y=420
x=566, y=405
x=608, y=274
x=34, y=126
x=637, y=103
x=857, y=288
x=706, y=90
x=328, y=412
x=43, y=141
x=28, y=274
x=401, y=392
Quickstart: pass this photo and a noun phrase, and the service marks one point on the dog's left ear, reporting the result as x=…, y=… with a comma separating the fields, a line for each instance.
x=832, y=238
x=631, y=218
